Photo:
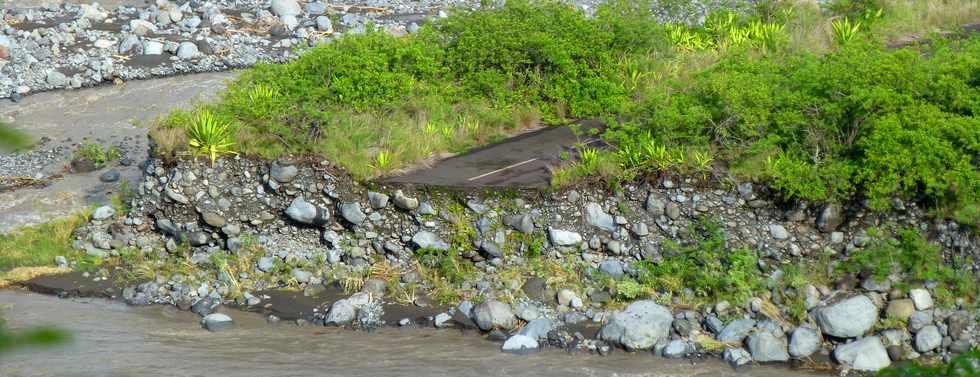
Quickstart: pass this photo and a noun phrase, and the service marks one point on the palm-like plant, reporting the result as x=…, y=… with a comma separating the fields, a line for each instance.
x=210, y=135
x=844, y=30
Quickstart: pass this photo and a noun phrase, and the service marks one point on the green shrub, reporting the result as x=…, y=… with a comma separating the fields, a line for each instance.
x=964, y=365
x=706, y=265
x=97, y=154
x=912, y=257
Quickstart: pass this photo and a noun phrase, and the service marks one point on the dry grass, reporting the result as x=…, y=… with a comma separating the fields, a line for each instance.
x=22, y=274
x=37, y=245
x=917, y=18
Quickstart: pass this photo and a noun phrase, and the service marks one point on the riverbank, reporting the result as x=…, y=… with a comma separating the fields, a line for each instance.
x=112, y=339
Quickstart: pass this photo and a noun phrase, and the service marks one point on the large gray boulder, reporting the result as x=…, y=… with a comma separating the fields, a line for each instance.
x=537, y=328
x=764, y=346
x=597, y=217
x=803, y=342
x=639, y=327
x=847, y=318
x=493, y=314
x=341, y=313
x=866, y=354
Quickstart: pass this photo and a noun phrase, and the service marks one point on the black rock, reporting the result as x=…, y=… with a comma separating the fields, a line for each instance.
x=204, y=306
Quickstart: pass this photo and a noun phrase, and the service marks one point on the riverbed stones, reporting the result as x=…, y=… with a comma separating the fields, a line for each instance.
x=285, y=8
x=520, y=344
x=404, y=202
x=921, y=298
x=737, y=357
x=213, y=218
x=493, y=314
x=613, y=268
x=928, y=339
x=641, y=325
x=152, y=47
x=765, y=347
x=677, y=349
x=352, y=213
x=561, y=237
x=866, y=354
x=537, y=328
x=103, y=213
x=597, y=217
x=215, y=322
x=847, y=318
x=266, y=264
x=427, y=240
x=803, y=342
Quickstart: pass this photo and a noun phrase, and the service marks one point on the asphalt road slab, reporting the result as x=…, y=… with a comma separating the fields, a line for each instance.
x=523, y=161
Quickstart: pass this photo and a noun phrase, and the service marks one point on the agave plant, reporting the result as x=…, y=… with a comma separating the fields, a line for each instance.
x=210, y=135
x=844, y=30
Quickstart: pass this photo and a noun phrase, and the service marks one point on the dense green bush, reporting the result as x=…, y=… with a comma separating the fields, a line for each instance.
x=861, y=120
x=965, y=365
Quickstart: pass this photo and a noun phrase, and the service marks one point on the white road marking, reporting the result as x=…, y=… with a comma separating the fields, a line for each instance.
x=502, y=169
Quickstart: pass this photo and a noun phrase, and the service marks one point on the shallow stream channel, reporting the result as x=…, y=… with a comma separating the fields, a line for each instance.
x=113, y=339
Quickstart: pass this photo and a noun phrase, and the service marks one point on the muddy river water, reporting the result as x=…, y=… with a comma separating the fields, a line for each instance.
x=112, y=339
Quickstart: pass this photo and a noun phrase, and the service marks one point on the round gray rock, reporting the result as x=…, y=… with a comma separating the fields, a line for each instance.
x=493, y=314
x=847, y=318
x=866, y=354
x=639, y=327
x=216, y=322
x=764, y=346
x=803, y=342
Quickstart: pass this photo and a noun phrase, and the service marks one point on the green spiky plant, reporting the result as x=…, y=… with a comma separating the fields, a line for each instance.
x=845, y=30
x=210, y=135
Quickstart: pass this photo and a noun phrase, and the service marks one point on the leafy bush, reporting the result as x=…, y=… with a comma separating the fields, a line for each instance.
x=705, y=265
x=960, y=366
x=97, y=154
x=915, y=259
x=210, y=135
x=861, y=120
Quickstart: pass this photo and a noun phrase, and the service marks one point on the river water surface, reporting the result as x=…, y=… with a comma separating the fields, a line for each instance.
x=112, y=339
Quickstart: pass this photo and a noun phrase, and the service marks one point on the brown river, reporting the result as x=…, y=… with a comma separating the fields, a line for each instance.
x=112, y=339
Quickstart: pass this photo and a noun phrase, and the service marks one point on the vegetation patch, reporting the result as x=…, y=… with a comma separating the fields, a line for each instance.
x=38, y=245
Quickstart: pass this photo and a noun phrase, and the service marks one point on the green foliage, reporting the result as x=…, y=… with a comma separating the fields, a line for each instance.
x=97, y=154
x=12, y=139
x=860, y=120
x=38, y=245
x=913, y=257
x=34, y=337
x=706, y=265
x=448, y=266
x=960, y=366
x=844, y=30
x=210, y=135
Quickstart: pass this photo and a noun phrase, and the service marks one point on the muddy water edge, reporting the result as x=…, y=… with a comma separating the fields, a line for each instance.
x=113, y=339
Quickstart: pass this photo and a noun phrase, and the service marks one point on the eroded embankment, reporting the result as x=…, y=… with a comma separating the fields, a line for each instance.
x=702, y=270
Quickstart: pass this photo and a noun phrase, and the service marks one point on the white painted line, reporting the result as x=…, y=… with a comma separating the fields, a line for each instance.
x=502, y=169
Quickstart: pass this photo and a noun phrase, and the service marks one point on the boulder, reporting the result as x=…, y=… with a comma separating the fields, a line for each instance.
x=282, y=173
x=677, y=349
x=377, y=200
x=778, y=232
x=764, y=346
x=404, y=202
x=736, y=331
x=103, y=213
x=866, y=354
x=639, y=326
x=803, y=342
x=303, y=212
x=737, y=357
x=537, y=328
x=285, y=8
x=928, y=339
x=493, y=314
x=830, y=218
x=847, y=318
x=341, y=313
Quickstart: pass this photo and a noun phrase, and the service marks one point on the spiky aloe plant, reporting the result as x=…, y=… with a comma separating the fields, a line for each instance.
x=844, y=30
x=210, y=135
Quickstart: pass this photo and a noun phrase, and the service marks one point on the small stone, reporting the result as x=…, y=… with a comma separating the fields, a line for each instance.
x=266, y=264
x=56, y=79
x=676, y=349
x=737, y=357
x=109, y=176
x=921, y=298
x=442, y=320
x=301, y=276
x=103, y=213
x=428, y=240
x=352, y=213
x=282, y=173
x=778, y=232
x=285, y=8
x=187, y=50
x=613, y=268
x=830, y=218
x=597, y=217
x=341, y=313
x=301, y=211
x=151, y=47
x=377, y=200
x=215, y=322
x=736, y=331
x=520, y=344
x=565, y=297
x=765, y=347
x=213, y=218
x=564, y=238
x=900, y=309
x=404, y=202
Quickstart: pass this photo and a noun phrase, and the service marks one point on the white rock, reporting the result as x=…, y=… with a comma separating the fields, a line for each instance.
x=921, y=298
